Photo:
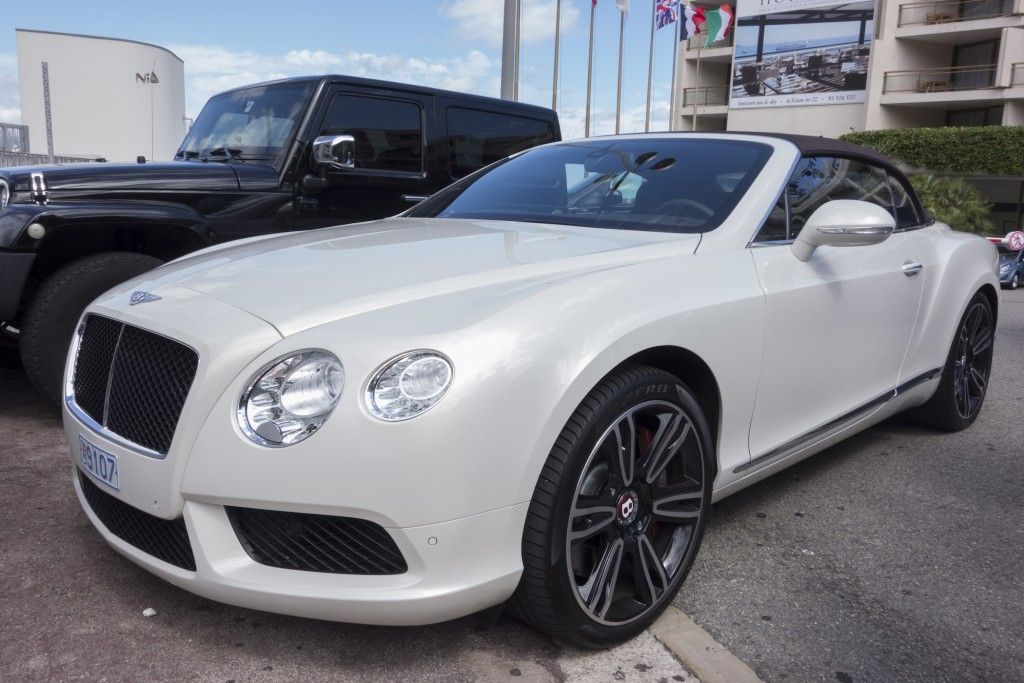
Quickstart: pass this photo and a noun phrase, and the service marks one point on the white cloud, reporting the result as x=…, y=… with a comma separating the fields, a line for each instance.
x=210, y=69
x=10, y=110
x=481, y=20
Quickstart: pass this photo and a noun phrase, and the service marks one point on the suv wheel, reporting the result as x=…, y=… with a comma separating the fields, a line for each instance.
x=58, y=304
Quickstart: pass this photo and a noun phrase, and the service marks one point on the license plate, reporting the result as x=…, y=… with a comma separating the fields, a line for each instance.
x=99, y=463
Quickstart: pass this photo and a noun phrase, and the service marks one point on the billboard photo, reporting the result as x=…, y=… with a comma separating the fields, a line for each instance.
x=800, y=52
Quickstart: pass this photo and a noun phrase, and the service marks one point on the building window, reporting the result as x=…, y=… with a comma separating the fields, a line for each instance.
x=986, y=116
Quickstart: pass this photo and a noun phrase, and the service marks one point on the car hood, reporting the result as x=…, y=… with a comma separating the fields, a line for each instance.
x=171, y=175
x=1006, y=262
x=299, y=280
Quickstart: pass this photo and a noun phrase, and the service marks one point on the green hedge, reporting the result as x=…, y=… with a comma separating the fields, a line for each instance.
x=994, y=150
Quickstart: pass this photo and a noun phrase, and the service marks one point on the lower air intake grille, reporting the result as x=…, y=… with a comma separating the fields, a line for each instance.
x=316, y=543
x=164, y=539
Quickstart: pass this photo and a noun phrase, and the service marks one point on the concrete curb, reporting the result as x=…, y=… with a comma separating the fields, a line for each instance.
x=702, y=654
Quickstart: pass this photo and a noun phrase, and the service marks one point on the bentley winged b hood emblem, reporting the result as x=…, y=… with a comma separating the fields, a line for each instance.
x=140, y=297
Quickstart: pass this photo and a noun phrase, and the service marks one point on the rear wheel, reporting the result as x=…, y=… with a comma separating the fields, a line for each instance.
x=58, y=304
x=619, y=511
x=964, y=382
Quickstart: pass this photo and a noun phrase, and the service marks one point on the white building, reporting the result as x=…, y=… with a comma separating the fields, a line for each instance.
x=825, y=68
x=108, y=97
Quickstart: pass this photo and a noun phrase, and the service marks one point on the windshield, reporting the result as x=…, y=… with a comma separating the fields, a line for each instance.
x=655, y=184
x=1006, y=253
x=254, y=124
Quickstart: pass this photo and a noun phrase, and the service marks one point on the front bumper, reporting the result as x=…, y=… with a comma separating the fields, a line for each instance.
x=455, y=568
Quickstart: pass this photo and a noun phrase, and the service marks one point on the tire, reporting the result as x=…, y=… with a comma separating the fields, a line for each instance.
x=57, y=305
x=591, y=507
x=965, y=376
x=1015, y=282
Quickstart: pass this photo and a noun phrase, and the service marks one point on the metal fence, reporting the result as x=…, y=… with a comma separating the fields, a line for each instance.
x=706, y=96
x=951, y=11
x=700, y=39
x=8, y=159
x=940, y=80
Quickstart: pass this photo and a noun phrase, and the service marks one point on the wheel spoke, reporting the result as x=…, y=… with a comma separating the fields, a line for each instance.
x=982, y=345
x=599, y=591
x=665, y=445
x=979, y=381
x=679, y=504
x=624, y=459
x=589, y=516
x=648, y=571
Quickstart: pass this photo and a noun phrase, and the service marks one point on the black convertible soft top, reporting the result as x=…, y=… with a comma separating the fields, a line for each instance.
x=813, y=145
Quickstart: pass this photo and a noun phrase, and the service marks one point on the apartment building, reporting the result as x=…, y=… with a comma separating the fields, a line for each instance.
x=826, y=68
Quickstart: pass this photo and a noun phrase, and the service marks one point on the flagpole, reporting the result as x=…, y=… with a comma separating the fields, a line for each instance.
x=618, y=85
x=558, y=35
x=675, y=62
x=590, y=69
x=650, y=73
x=509, y=50
x=696, y=88
x=519, y=42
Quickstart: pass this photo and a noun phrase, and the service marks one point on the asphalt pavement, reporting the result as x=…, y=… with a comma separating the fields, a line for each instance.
x=896, y=555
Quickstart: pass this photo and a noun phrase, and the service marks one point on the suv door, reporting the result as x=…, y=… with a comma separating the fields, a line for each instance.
x=838, y=326
x=393, y=166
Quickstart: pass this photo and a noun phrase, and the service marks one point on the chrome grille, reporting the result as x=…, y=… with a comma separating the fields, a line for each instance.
x=132, y=382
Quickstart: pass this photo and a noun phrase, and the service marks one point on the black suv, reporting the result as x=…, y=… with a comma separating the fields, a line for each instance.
x=288, y=155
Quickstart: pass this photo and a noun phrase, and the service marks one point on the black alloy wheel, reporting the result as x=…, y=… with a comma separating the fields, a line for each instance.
x=605, y=552
x=972, y=360
x=964, y=382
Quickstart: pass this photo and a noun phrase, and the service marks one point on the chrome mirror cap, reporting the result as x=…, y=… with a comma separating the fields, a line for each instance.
x=335, y=151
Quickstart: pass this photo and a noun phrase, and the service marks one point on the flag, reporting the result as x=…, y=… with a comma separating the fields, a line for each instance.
x=693, y=21
x=718, y=23
x=666, y=12
x=623, y=5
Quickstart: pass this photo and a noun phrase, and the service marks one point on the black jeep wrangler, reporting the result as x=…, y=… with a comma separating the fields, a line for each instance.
x=288, y=155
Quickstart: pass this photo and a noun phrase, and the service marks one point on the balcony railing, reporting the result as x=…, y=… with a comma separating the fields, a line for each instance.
x=940, y=80
x=706, y=96
x=700, y=39
x=8, y=159
x=1017, y=73
x=951, y=11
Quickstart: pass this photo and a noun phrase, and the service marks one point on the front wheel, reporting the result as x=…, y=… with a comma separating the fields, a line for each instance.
x=1015, y=282
x=618, y=512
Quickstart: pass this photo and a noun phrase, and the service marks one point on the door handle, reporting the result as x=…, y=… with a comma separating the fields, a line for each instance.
x=911, y=268
x=417, y=198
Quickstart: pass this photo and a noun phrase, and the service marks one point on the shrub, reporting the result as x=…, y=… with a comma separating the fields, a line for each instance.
x=994, y=150
x=954, y=201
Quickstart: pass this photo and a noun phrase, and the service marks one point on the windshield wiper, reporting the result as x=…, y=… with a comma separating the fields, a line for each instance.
x=224, y=153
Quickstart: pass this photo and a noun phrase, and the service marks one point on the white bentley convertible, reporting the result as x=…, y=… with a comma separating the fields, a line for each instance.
x=529, y=388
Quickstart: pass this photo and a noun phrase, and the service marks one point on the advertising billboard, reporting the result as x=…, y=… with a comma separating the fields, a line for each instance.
x=792, y=53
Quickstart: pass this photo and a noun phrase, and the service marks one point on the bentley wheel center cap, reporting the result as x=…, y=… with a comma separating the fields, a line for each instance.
x=627, y=508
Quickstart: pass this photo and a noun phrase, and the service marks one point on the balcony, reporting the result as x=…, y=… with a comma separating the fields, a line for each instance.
x=1017, y=74
x=958, y=21
x=706, y=96
x=718, y=52
x=942, y=87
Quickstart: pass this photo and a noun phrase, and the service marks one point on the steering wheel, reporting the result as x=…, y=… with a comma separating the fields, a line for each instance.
x=684, y=207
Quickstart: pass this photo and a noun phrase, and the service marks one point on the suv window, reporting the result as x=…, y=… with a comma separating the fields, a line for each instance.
x=477, y=138
x=817, y=180
x=388, y=133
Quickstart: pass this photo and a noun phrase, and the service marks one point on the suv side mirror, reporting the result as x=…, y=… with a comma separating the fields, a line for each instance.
x=335, y=151
x=843, y=223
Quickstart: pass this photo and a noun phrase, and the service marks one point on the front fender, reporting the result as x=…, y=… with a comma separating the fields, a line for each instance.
x=62, y=216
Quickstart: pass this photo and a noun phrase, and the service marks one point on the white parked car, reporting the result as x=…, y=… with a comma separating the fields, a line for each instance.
x=528, y=388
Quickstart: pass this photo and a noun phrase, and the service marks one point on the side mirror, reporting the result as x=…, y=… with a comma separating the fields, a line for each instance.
x=335, y=151
x=843, y=223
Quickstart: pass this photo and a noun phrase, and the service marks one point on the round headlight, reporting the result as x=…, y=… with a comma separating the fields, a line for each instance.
x=408, y=385
x=291, y=398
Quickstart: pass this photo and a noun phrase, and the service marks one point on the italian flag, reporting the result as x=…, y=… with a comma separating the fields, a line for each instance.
x=717, y=24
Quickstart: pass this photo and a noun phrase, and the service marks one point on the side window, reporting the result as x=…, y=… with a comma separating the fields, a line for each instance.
x=817, y=180
x=388, y=133
x=903, y=206
x=477, y=138
x=775, y=228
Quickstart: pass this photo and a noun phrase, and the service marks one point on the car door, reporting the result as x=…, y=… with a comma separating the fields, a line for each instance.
x=837, y=326
x=393, y=168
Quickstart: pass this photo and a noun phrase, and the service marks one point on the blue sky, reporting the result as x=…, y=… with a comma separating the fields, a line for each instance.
x=448, y=43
